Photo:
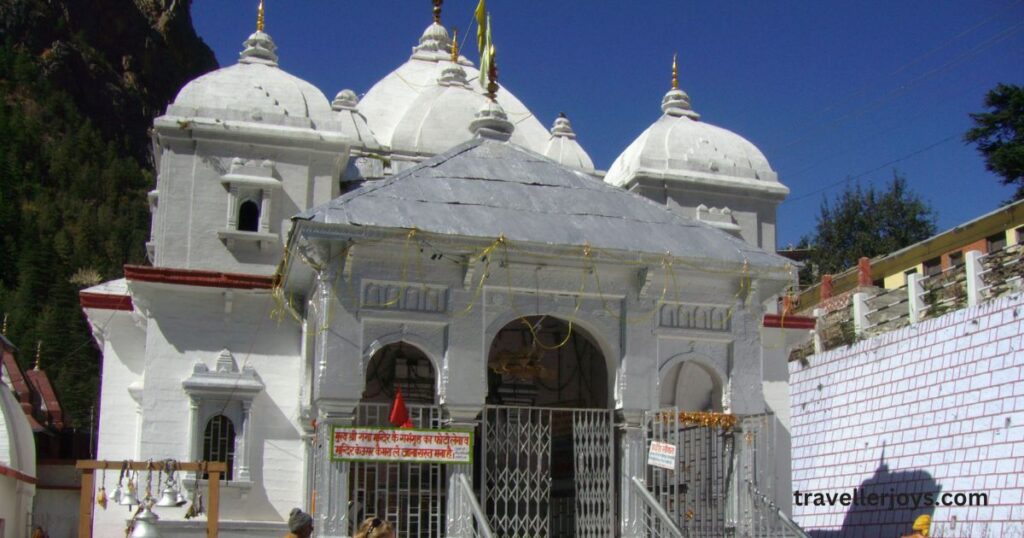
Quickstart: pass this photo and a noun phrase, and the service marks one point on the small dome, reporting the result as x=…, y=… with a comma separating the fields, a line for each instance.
x=255, y=90
x=679, y=146
x=351, y=121
x=564, y=149
x=393, y=97
x=439, y=118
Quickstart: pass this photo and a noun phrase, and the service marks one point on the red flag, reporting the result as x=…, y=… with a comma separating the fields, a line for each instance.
x=399, y=414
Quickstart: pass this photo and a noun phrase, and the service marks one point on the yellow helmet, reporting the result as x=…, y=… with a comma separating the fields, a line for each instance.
x=922, y=523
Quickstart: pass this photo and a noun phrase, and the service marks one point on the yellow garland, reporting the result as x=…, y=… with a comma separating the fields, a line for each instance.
x=705, y=419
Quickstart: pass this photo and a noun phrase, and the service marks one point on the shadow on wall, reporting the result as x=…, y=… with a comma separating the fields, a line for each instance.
x=899, y=498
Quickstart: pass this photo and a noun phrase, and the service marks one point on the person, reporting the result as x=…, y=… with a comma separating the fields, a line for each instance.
x=920, y=528
x=375, y=527
x=38, y=532
x=300, y=524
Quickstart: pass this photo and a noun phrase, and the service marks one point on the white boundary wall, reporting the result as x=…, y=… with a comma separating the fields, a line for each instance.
x=937, y=406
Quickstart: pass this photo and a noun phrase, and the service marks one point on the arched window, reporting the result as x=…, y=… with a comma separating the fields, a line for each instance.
x=219, y=443
x=249, y=216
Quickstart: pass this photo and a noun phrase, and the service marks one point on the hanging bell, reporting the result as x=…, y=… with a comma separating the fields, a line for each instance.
x=145, y=524
x=130, y=497
x=116, y=496
x=168, y=498
x=180, y=497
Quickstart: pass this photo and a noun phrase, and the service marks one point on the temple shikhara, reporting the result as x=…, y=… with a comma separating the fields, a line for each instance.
x=579, y=352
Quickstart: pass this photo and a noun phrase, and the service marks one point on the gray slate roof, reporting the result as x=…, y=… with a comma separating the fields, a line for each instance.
x=484, y=188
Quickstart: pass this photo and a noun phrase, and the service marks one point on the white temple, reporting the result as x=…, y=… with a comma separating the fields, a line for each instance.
x=310, y=257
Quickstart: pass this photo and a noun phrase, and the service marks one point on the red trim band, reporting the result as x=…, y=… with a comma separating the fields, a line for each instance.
x=191, y=277
x=105, y=301
x=776, y=321
x=18, y=475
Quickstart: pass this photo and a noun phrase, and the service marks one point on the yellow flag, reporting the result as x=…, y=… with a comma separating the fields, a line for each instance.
x=481, y=26
x=486, y=55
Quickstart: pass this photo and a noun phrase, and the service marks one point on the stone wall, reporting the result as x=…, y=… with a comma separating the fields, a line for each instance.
x=933, y=408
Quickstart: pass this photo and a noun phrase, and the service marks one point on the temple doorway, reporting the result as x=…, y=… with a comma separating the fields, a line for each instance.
x=409, y=495
x=546, y=453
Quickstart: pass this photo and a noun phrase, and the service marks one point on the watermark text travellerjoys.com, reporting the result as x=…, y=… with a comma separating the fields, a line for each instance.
x=891, y=499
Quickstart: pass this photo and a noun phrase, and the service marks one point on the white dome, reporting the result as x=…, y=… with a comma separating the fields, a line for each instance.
x=439, y=118
x=678, y=146
x=390, y=99
x=351, y=122
x=256, y=90
x=563, y=148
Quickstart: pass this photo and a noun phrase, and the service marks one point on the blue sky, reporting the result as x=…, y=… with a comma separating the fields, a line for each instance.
x=826, y=89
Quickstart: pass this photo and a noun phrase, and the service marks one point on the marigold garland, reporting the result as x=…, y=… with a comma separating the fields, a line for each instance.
x=706, y=419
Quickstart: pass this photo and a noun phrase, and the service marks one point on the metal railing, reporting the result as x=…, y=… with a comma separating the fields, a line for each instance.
x=409, y=495
x=654, y=520
x=769, y=519
x=466, y=518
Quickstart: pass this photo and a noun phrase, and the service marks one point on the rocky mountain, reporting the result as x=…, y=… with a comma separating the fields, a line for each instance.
x=80, y=83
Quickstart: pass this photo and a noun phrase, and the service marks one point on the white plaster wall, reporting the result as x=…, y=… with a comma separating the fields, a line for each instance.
x=942, y=402
x=17, y=451
x=190, y=325
x=183, y=326
x=193, y=203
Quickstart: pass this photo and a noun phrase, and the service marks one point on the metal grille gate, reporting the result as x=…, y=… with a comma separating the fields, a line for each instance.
x=548, y=472
x=409, y=495
x=694, y=494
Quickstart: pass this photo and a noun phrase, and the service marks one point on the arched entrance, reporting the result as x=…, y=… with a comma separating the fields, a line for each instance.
x=546, y=465
x=409, y=495
x=694, y=493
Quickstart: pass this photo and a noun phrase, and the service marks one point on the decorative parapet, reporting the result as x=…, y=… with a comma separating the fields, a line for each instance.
x=407, y=297
x=702, y=317
x=868, y=311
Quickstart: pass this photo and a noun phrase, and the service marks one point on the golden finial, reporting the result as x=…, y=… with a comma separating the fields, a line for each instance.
x=455, y=45
x=259, y=17
x=492, y=74
x=39, y=352
x=3, y=330
x=437, y=11
x=675, y=73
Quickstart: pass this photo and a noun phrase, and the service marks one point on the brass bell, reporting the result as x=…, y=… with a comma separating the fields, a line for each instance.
x=116, y=496
x=169, y=497
x=145, y=524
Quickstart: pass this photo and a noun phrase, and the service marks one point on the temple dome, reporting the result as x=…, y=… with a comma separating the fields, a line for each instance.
x=255, y=90
x=392, y=100
x=563, y=148
x=440, y=116
x=678, y=146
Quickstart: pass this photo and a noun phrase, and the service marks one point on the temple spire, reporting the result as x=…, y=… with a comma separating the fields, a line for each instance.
x=455, y=45
x=39, y=353
x=437, y=11
x=259, y=17
x=675, y=73
x=492, y=74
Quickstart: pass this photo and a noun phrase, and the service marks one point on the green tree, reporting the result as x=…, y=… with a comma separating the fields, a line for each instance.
x=999, y=135
x=865, y=221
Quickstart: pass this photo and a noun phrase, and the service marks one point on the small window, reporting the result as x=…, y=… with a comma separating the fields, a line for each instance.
x=956, y=259
x=933, y=266
x=996, y=241
x=1020, y=235
x=248, y=216
x=219, y=443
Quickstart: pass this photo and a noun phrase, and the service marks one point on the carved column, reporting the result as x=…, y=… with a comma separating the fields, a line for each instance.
x=331, y=480
x=243, y=443
x=634, y=452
